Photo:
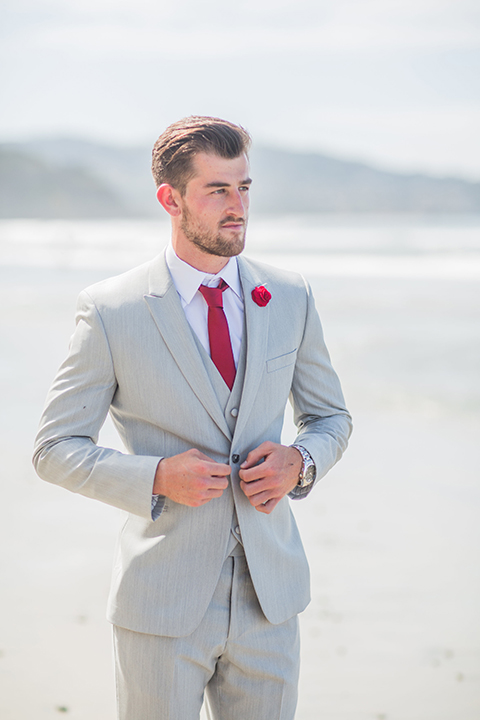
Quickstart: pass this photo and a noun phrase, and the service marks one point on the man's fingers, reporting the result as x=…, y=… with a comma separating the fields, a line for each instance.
x=256, y=455
x=204, y=481
x=191, y=478
x=201, y=464
x=216, y=483
x=268, y=506
x=220, y=470
x=263, y=502
x=266, y=483
x=252, y=474
x=251, y=489
x=260, y=497
x=258, y=470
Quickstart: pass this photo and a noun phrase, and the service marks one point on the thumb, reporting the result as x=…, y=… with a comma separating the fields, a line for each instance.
x=254, y=457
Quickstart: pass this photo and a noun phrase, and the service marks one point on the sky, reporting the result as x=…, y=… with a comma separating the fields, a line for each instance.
x=393, y=83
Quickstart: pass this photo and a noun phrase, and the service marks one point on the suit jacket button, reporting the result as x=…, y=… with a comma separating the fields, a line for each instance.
x=235, y=458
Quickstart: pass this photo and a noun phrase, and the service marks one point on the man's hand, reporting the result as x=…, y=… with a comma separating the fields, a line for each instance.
x=266, y=483
x=190, y=478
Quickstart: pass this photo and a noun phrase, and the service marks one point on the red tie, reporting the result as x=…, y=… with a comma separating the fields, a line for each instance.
x=218, y=334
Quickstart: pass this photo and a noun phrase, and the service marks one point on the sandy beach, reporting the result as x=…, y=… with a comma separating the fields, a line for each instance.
x=392, y=533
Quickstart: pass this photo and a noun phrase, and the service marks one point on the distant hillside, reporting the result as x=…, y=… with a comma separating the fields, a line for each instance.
x=31, y=187
x=312, y=182
x=71, y=178
x=123, y=171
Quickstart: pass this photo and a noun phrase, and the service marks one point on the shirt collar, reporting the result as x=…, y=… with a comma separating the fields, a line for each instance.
x=188, y=279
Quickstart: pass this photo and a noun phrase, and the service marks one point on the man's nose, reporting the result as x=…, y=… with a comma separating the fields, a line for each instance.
x=237, y=205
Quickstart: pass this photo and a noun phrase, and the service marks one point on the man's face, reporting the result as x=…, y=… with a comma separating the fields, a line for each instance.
x=215, y=205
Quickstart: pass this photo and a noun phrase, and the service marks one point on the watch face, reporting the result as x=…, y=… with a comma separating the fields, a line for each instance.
x=309, y=475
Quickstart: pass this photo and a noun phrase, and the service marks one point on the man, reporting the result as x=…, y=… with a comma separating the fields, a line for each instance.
x=195, y=355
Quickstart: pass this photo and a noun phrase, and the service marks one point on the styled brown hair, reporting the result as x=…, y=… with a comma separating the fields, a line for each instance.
x=176, y=147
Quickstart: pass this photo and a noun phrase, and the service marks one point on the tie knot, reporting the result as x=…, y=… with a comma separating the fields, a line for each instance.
x=213, y=295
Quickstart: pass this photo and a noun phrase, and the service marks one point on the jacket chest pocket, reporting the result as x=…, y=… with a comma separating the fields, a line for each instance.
x=281, y=361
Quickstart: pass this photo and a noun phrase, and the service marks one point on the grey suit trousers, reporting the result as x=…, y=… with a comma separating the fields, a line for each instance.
x=247, y=667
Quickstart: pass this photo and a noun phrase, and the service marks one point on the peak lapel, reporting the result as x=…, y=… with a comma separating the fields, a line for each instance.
x=166, y=310
x=256, y=323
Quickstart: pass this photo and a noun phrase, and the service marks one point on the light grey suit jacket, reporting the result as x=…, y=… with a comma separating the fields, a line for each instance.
x=134, y=354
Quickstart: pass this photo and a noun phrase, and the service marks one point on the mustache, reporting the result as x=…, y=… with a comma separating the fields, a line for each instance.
x=232, y=219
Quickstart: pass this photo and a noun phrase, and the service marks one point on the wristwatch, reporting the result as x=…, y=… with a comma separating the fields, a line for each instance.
x=308, y=471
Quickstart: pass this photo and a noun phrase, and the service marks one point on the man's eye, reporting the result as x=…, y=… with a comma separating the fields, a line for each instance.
x=245, y=188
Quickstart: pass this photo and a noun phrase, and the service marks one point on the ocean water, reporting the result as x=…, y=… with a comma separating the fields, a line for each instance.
x=392, y=533
x=338, y=245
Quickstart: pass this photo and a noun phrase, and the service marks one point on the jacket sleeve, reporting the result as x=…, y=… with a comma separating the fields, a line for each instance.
x=323, y=422
x=66, y=451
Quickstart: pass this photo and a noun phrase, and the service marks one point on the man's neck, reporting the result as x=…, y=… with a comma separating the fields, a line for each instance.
x=199, y=259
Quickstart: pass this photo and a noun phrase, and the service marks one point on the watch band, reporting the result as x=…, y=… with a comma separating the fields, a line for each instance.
x=308, y=471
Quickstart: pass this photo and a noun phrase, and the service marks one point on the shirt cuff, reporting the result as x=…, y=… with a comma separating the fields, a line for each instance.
x=158, y=502
x=298, y=492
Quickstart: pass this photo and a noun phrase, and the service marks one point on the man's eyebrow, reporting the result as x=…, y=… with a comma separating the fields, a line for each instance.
x=219, y=184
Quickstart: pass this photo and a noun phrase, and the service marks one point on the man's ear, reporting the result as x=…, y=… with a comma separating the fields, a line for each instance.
x=167, y=196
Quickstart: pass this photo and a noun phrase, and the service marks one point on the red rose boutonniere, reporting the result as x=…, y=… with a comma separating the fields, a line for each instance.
x=261, y=296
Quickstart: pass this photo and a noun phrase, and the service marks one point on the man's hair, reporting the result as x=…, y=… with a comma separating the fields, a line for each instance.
x=175, y=149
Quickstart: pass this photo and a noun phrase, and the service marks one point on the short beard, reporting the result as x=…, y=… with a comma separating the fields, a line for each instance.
x=210, y=243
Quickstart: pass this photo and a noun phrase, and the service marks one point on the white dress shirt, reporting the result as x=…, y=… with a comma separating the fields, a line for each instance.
x=188, y=279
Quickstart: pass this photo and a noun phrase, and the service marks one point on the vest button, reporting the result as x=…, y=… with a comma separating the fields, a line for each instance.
x=235, y=458
x=234, y=412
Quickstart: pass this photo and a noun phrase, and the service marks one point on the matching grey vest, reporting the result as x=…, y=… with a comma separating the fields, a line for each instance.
x=229, y=402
